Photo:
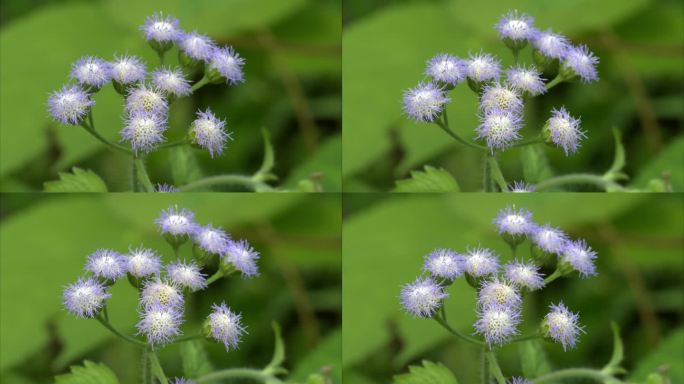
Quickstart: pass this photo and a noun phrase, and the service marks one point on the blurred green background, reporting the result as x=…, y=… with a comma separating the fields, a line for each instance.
x=292, y=88
x=44, y=242
x=639, y=240
x=640, y=44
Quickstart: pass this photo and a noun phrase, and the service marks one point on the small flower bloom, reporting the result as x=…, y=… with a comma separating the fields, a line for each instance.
x=228, y=63
x=173, y=82
x=70, y=104
x=243, y=257
x=552, y=45
x=516, y=27
x=483, y=67
x=158, y=292
x=499, y=129
x=480, y=262
x=549, y=239
x=525, y=79
x=85, y=298
x=181, y=380
x=519, y=380
x=497, y=292
x=196, y=46
x=424, y=102
x=498, y=97
x=144, y=131
x=524, y=275
x=209, y=132
x=580, y=255
x=446, y=69
x=176, y=222
x=91, y=71
x=514, y=223
x=106, y=264
x=165, y=188
x=497, y=323
x=143, y=262
x=564, y=130
x=582, y=62
x=186, y=275
x=212, y=240
x=521, y=187
x=127, y=69
x=143, y=99
x=423, y=297
x=225, y=327
x=444, y=263
x=161, y=29
x=160, y=324
x=562, y=326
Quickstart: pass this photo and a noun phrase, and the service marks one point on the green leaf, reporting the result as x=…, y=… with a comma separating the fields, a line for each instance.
x=670, y=162
x=269, y=156
x=667, y=357
x=618, y=350
x=533, y=358
x=535, y=164
x=323, y=165
x=77, y=181
x=274, y=367
x=326, y=356
x=430, y=180
x=90, y=373
x=184, y=165
x=429, y=373
x=195, y=359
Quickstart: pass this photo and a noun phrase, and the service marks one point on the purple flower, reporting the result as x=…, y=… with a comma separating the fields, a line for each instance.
x=70, y=104
x=562, y=326
x=196, y=46
x=209, y=132
x=143, y=262
x=581, y=257
x=446, y=69
x=549, y=239
x=521, y=187
x=212, y=240
x=165, y=188
x=228, y=63
x=483, y=67
x=480, y=262
x=499, y=129
x=171, y=81
x=552, y=45
x=526, y=80
x=516, y=27
x=160, y=324
x=514, y=223
x=91, y=71
x=423, y=297
x=144, y=131
x=176, y=222
x=186, y=275
x=243, y=257
x=582, y=63
x=444, y=263
x=564, y=130
x=85, y=298
x=127, y=69
x=497, y=292
x=144, y=99
x=106, y=264
x=224, y=326
x=158, y=292
x=425, y=102
x=503, y=98
x=161, y=29
x=497, y=323
x=519, y=380
x=524, y=275
x=181, y=380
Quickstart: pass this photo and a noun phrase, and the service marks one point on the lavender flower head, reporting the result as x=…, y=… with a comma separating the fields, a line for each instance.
x=165, y=188
x=85, y=298
x=425, y=102
x=564, y=130
x=514, y=223
x=499, y=129
x=223, y=325
x=182, y=380
x=176, y=222
x=444, y=263
x=551, y=45
x=524, y=275
x=562, y=326
x=144, y=99
x=526, y=80
x=483, y=67
x=446, y=69
x=517, y=27
x=519, y=380
x=582, y=63
x=143, y=262
x=423, y=297
x=144, y=131
x=497, y=323
x=158, y=292
x=581, y=257
x=480, y=262
x=209, y=132
x=549, y=239
x=106, y=264
x=497, y=292
x=212, y=240
x=70, y=104
x=160, y=324
x=171, y=81
x=243, y=257
x=187, y=275
x=91, y=71
x=521, y=187
x=228, y=63
x=196, y=46
x=127, y=69
x=161, y=29
x=498, y=97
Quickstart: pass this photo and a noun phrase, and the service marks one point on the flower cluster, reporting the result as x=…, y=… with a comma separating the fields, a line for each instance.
x=148, y=95
x=500, y=287
x=162, y=287
x=502, y=92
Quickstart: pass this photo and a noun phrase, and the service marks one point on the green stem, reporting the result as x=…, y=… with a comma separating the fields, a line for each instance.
x=486, y=174
x=514, y=249
x=456, y=333
x=574, y=373
x=116, y=147
x=146, y=373
x=245, y=181
x=157, y=369
x=141, y=174
x=445, y=127
x=119, y=334
x=494, y=368
x=524, y=338
x=105, y=313
x=174, y=144
x=188, y=338
x=238, y=373
x=214, y=277
x=554, y=82
x=516, y=53
x=496, y=174
x=578, y=178
x=537, y=140
x=161, y=54
x=556, y=274
x=484, y=367
x=201, y=83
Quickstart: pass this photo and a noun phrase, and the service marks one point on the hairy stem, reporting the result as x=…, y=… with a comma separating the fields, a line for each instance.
x=238, y=373
x=119, y=334
x=574, y=373
x=579, y=178
x=457, y=333
x=141, y=174
x=156, y=368
x=496, y=174
x=145, y=365
x=494, y=368
x=246, y=181
x=484, y=367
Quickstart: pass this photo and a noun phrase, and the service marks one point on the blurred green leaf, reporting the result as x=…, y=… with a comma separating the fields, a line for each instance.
x=327, y=356
x=430, y=180
x=76, y=181
x=184, y=165
x=274, y=367
x=195, y=359
x=670, y=161
x=533, y=358
x=429, y=373
x=668, y=357
x=90, y=373
x=613, y=365
x=269, y=155
x=535, y=164
x=324, y=163
x=619, y=157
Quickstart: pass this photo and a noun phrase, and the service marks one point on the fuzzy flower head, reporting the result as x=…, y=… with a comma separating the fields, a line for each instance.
x=127, y=69
x=444, y=263
x=243, y=257
x=224, y=326
x=160, y=324
x=176, y=222
x=209, y=132
x=91, y=71
x=497, y=323
x=158, y=292
x=483, y=67
x=516, y=27
x=581, y=62
x=423, y=297
x=562, y=326
x=581, y=257
x=227, y=64
x=524, y=275
x=144, y=99
x=499, y=129
x=165, y=188
x=526, y=80
x=181, y=380
x=171, y=82
x=480, y=262
x=521, y=187
x=144, y=131
x=85, y=298
x=70, y=104
x=498, y=97
x=161, y=29
x=564, y=130
x=106, y=264
x=212, y=240
x=518, y=380
x=424, y=102
x=143, y=262
x=498, y=292
x=446, y=69
x=514, y=222
x=196, y=46
x=551, y=45
x=549, y=239
x=186, y=275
